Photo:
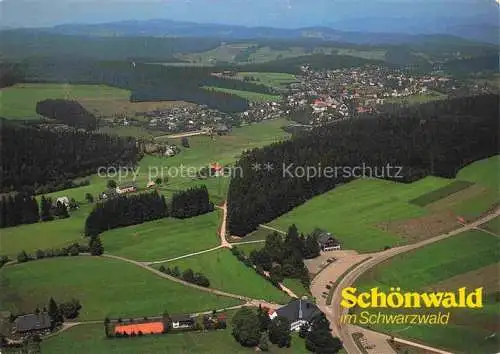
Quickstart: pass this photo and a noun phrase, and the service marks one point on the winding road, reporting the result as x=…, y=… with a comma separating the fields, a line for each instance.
x=334, y=314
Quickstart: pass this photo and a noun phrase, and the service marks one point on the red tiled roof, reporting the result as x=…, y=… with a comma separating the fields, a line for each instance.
x=146, y=328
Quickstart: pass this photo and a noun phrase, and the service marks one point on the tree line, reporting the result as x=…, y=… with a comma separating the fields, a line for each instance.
x=192, y=202
x=68, y=112
x=36, y=157
x=283, y=257
x=136, y=209
x=437, y=138
x=146, y=82
x=22, y=208
x=125, y=211
x=188, y=275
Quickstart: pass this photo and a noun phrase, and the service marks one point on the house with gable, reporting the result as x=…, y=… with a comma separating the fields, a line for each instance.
x=298, y=312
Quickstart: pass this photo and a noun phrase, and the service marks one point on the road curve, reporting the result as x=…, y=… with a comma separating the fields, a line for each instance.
x=342, y=331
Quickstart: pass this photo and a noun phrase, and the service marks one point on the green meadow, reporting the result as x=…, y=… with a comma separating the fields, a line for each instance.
x=53, y=234
x=165, y=238
x=493, y=225
x=91, y=339
x=105, y=287
x=227, y=273
x=203, y=151
x=431, y=267
x=484, y=172
x=360, y=213
x=352, y=211
x=433, y=263
x=19, y=101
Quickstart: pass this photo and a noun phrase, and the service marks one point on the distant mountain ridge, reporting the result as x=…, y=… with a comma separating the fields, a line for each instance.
x=366, y=34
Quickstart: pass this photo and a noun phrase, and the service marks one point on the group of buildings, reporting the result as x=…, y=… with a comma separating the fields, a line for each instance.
x=341, y=93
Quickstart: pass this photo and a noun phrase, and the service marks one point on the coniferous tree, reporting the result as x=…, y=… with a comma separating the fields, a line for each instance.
x=55, y=315
x=46, y=209
x=246, y=327
x=279, y=332
x=435, y=138
x=95, y=246
x=319, y=339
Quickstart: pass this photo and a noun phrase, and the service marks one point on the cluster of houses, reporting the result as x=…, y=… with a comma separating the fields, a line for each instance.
x=341, y=93
x=189, y=118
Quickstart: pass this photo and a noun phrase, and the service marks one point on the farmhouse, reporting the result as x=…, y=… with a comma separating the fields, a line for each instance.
x=216, y=169
x=126, y=189
x=327, y=242
x=62, y=201
x=32, y=324
x=298, y=312
x=144, y=328
x=182, y=321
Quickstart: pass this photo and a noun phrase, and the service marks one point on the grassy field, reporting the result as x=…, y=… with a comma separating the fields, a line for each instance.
x=484, y=172
x=19, y=101
x=352, y=212
x=251, y=96
x=296, y=286
x=440, y=193
x=277, y=80
x=493, y=225
x=203, y=151
x=369, y=214
x=436, y=267
x=249, y=247
x=105, y=287
x=164, y=238
x=53, y=234
x=434, y=263
x=90, y=339
x=226, y=273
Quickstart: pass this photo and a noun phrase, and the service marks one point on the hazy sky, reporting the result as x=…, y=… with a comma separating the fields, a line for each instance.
x=277, y=13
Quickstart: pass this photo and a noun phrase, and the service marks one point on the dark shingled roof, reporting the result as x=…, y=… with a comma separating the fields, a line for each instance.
x=298, y=310
x=32, y=322
x=324, y=237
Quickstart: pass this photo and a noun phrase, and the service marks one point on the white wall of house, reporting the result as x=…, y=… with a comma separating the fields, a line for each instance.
x=295, y=326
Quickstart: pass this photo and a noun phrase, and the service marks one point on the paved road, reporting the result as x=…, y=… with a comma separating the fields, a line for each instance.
x=343, y=331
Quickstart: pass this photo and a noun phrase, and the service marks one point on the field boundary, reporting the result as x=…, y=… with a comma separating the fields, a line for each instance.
x=443, y=192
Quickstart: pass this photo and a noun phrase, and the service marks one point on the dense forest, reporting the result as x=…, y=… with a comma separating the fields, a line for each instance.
x=436, y=138
x=146, y=82
x=316, y=62
x=22, y=44
x=192, y=202
x=68, y=112
x=124, y=211
x=32, y=157
x=18, y=209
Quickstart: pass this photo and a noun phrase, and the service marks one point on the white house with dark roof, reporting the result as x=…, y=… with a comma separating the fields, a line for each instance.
x=327, y=242
x=298, y=312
